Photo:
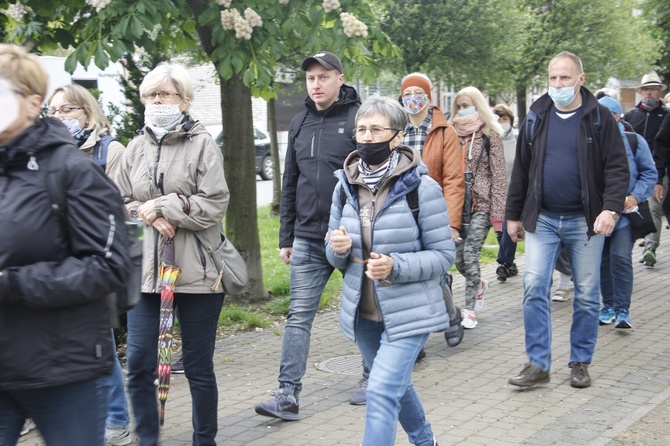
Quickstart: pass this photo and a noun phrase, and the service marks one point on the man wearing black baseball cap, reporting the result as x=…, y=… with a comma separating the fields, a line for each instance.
x=319, y=140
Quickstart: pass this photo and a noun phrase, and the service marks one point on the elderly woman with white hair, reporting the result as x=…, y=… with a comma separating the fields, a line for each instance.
x=171, y=176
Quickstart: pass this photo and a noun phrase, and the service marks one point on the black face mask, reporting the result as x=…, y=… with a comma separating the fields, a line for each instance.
x=375, y=153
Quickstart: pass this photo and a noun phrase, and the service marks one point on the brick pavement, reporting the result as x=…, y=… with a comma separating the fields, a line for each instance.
x=464, y=389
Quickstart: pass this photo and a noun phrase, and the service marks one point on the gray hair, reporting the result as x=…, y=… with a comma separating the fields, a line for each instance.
x=573, y=57
x=385, y=106
x=165, y=72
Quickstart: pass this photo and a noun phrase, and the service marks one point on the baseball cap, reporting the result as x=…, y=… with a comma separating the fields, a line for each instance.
x=327, y=60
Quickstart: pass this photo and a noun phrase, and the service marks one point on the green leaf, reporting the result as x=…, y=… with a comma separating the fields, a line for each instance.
x=71, y=62
x=136, y=27
x=101, y=58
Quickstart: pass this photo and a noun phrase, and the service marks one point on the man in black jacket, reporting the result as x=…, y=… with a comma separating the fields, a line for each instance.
x=319, y=141
x=646, y=119
x=568, y=186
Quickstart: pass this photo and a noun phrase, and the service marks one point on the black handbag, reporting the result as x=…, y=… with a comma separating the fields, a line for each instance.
x=641, y=222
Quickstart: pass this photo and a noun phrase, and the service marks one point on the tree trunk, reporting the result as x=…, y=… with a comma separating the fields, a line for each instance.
x=240, y=170
x=521, y=102
x=274, y=150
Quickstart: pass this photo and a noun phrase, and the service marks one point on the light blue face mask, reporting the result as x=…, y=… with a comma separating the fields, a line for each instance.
x=467, y=111
x=563, y=96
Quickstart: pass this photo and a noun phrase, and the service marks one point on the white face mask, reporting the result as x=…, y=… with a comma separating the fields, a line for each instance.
x=467, y=111
x=9, y=105
x=165, y=116
x=506, y=126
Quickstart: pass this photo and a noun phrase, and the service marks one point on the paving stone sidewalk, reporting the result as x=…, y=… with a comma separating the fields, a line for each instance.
x=463, y=389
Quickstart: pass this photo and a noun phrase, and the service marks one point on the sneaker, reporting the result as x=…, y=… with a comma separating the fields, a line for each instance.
x=562, y=294
x=649, y=257
x=623, y=319
x=606, y=316
x=479, y=300
x=503, y=272
x=469, y=319
x=530, y=375
x=28, y=425
x=454, y=334
x=579, y=376
x=421, y=355
x=284, y=405
x=358, y=398
x=178, y=366
x=117, y=437
x=513, y=270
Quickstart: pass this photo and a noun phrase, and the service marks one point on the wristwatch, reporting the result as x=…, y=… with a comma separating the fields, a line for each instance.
x=615, y=215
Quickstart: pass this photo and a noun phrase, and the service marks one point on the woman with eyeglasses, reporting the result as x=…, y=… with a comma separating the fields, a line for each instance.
x=56, y=268
x=483, y=159
x=171, y=176
x=389, y=229
x=76, y=107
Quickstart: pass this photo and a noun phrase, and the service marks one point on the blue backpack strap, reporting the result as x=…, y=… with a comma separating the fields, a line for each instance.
x=100, y=150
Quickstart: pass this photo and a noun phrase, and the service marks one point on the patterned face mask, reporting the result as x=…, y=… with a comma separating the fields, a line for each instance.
x=414, y=104
x=164, y=116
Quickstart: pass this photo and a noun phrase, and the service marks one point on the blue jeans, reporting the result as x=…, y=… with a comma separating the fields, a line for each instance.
x=198, y=319
x=616, y=271
x=310, y=272
x=553, y=233
x=507, y=247
x=72, y=414
x=390, y=395
x=117, y=412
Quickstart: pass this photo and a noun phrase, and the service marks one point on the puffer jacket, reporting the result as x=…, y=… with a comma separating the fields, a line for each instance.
x=413, y=304
x=54, y=317
x=114, y=151
x=442, y=155
x=185, y=162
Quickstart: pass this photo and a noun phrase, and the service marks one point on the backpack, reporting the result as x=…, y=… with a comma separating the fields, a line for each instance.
x=412, y=201
x=129, y=296
x=632, y=141
x=300, y=118
x=100, y=150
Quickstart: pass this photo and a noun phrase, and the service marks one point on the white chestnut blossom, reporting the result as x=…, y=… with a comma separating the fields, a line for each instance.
x=352, y=26
x=225, y=3
x=242, y=28
x=330, y=5
x=228, y=18
x=252, y=17
x=283, y=2
x=99, y=4
x=16, y=11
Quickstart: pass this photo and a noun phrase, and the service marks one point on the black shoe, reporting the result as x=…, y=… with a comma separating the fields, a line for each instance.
x=421, y=355
x=530, y=375
x=513, y=270
x=454, y=334
x=503, y=272
x=579, y=376
x=178, y=366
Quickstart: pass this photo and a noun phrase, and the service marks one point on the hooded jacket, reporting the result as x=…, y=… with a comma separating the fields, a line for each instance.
x=187, y=163
x=603, y=165
x=413, y=304
x=442, y=155
x=320, y=148
x=54, y=318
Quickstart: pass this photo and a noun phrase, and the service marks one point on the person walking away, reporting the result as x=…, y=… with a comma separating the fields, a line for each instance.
x=616, y=269
x=646, y=118
x=483, y=158
x=319, y=141
x=562, y=199
x=391, y=298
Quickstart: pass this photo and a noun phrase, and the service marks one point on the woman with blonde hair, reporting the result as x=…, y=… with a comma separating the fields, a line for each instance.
x=483, y=161
x=76, y=107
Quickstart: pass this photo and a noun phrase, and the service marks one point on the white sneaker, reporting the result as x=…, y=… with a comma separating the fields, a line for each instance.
x=28, y=425
x=479, y=300
x=469, y=319
x=117, y=437
x=562, y=294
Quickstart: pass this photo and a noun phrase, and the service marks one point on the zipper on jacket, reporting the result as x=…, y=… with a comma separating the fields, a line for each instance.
x=203, y=260
x=159, y=185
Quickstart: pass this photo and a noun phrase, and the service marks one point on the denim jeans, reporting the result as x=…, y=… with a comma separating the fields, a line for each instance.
x=507, y=247
x=198, y=319
x=616, y=270
x=117, y=412
x=390, y=395
x=72, y=414
x=553, y=233
x=310, y=272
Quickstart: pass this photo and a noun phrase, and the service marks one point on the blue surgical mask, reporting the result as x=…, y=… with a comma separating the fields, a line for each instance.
x=467, y=111
x=73, y=126
x=563, y=96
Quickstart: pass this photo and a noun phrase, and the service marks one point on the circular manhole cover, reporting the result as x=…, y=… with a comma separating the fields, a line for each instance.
x=345, y=365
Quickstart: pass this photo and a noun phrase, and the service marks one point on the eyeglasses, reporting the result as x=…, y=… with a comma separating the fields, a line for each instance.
x=375, y=130
x=51, y=111
x=164, y=95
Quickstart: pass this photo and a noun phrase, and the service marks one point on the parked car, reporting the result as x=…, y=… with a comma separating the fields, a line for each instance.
x=264, y=166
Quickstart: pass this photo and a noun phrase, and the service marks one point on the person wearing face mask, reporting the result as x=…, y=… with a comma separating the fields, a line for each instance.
x=437, y=143
x=568, y=187
x=79, y=111
x=482, y=156
x=172, y=177
x=391, y=298
x=646, y=118
x=56, y=269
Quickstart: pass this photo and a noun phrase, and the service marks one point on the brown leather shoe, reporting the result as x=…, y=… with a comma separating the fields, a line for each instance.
x=530, y=375
x=579, y=376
